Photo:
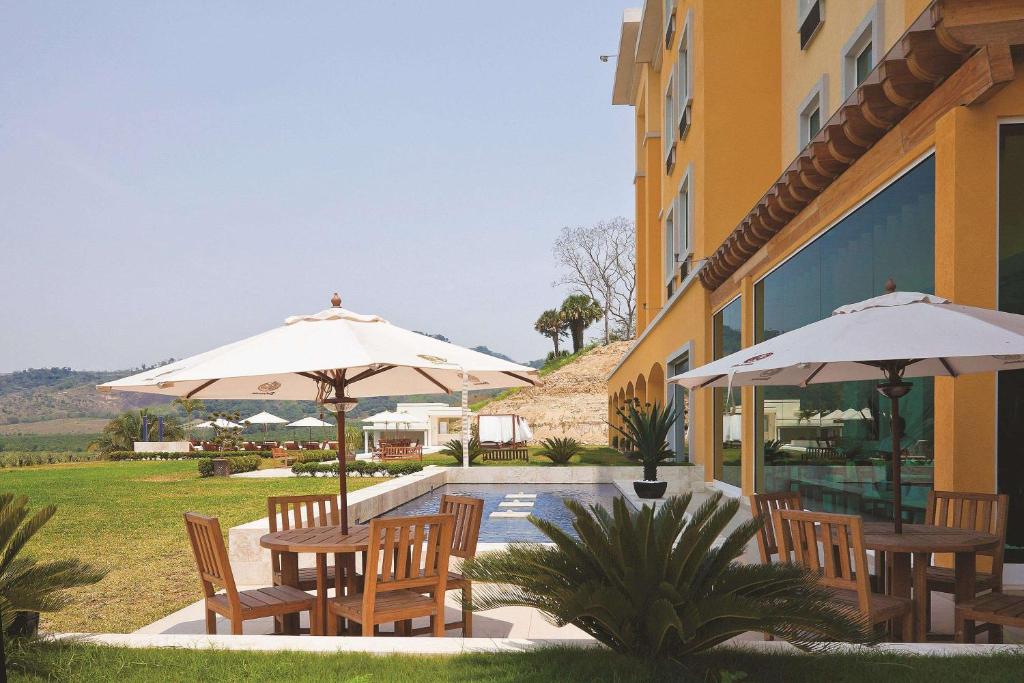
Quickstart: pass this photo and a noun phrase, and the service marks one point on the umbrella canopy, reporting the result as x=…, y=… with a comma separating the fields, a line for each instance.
x=887, y=338
x=393, y=417
x=219, y=422
x=310, y=422
x=330, y=357
x=265, y=418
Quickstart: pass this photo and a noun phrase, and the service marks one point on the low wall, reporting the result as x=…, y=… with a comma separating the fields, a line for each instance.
x=161, y=447
x=250, y=563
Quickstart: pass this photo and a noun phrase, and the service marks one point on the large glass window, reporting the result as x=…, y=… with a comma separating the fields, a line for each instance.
x=728, y=406
x=831, y=442
x=679, y=438
x=1010, y=435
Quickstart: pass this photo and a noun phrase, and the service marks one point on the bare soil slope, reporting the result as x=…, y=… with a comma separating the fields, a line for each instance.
x=571, y=402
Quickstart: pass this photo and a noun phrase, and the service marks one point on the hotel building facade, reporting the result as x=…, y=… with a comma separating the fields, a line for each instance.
x=793, y=156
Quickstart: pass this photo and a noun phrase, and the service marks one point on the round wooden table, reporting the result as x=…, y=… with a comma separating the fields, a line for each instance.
x=321, y=541
x=918, y=541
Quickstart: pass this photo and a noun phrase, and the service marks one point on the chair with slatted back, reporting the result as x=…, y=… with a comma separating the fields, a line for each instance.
x=301, y=512
x=238, y=606
x=843, y=567
x=763, y=505
x=407, y=557
x=986, y=512
x=468, y=513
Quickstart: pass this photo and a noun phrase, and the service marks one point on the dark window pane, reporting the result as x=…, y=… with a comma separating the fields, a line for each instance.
x=728, y=411
x=813, y=124
x=864, y=64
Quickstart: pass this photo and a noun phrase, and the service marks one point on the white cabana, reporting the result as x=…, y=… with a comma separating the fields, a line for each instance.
x=503, y=429
x=332, y=357
x=886, y=338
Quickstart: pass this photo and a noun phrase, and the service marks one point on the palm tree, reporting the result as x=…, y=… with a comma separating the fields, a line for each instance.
x=551, y=325
x=657, y=585
x=25, y=584
x=579, y=311
x=189, y=406
x=121, y=433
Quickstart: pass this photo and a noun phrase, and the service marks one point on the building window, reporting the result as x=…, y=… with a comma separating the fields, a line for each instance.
x=1010, y=407
x=726, y=331
x=683, y=75
x=682, y=211
x=669, y=129
x=670, y=252
x=812, y=113
x=862, y=51
x=679, y=437
x=830, y=442
x=809, y=18
x=670, y=22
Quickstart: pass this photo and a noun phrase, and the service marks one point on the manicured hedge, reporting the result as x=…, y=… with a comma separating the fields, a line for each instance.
x=236, y=464
x=314, y=456
x=361, y=467
x=193, y=455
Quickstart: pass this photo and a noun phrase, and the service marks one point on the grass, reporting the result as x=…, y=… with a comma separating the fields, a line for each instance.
x=591, y=455
x=92, y=663
x=126, y=516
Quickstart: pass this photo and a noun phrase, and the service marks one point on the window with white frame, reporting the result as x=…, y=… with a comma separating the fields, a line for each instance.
x=668, y=134
x=670, y=247
x=812, y=113
x=683, y=79
x=862, y=51
x=810, y=15
x=684, y=231
x=670, y=22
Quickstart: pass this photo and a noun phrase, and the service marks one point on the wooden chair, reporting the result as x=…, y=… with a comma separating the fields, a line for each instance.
x=845, y=565
x=468, y=513
x=995, y=609
x=301, y=512
x=763, y=505
x=407, y=557
x=239, y=606
x=978, y=511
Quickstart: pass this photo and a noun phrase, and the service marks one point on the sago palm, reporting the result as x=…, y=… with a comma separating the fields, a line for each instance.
x=453, y=449
x=656, y=584
x=646, y=429
x=560, y=450
x=25, y=584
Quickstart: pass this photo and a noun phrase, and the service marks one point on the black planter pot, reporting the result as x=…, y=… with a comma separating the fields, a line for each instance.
x=650, y=489
x=24, y=625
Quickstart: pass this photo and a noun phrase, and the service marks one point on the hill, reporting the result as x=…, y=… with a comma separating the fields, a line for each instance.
x=571, y=402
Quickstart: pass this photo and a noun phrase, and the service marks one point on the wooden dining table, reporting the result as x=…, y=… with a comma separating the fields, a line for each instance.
x=911, y=551
x=320, y=541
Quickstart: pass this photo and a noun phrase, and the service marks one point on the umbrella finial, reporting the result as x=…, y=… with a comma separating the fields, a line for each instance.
x=336, y=300
x=890, y=286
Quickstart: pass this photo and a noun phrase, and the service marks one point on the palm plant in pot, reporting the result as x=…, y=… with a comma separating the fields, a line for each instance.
x=646, y=428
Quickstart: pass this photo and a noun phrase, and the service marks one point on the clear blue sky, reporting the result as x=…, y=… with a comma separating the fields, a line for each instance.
x=178, y=175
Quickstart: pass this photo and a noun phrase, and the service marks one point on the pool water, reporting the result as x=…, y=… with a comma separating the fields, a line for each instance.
x=548, y=505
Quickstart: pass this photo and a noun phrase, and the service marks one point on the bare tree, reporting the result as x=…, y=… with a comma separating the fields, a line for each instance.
x=600, y=261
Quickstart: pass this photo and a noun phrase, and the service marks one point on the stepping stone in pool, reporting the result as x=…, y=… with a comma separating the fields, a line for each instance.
x=516, y=504
x=508, y=514
x=521, y=495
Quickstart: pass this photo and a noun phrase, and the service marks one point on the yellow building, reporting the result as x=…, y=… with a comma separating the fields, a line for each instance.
x=792, y=156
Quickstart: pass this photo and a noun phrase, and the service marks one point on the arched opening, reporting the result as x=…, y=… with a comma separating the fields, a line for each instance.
x=656, y=384
x=641, y=389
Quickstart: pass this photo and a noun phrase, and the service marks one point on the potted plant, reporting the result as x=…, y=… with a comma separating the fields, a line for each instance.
x=645, y=429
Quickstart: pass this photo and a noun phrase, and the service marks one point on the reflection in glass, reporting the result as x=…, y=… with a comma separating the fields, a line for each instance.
x=728, y=408
x=831, y=442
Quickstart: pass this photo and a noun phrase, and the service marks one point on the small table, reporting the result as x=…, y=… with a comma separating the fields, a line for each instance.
x=919, y=541
x=322, y=541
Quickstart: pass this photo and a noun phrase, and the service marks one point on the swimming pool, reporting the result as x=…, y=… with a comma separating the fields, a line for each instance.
x=547, y=505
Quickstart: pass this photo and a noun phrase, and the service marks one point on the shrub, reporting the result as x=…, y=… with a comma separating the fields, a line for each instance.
x=192, y=455
x=363, y=468
x=453, y=449
x=236, y=464
x=559, y=450
x=645, y=430
x=656, y=585
x=316, y=456
x=24, y=459
x=25, y=584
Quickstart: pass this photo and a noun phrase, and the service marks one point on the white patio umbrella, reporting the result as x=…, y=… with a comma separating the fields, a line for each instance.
x=264, y=418
x=397, y=418
x=309, y=422
x=332, y=357
x=219, y=422
x=888, y=338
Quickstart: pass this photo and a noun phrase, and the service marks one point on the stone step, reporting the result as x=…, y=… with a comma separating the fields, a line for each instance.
x=516, y=504
x=508, y=514
x=521, y=495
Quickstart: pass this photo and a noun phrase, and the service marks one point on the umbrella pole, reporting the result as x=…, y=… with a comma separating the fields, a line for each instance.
x=339, y=392
x=894, y=388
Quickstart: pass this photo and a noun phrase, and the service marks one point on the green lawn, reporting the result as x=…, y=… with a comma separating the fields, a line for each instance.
x=90, y=663
x=126, y=516
x=591, y=455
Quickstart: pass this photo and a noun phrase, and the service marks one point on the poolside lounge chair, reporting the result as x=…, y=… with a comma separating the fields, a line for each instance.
x=411, y=559
x=239, y=606
x=845, y=569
